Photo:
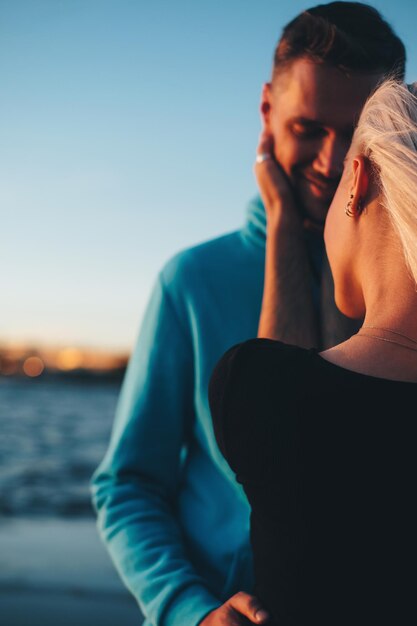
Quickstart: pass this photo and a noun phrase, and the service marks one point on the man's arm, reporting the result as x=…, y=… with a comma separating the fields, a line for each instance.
x=134, y=488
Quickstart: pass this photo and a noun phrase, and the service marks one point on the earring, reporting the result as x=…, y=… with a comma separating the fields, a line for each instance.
x=348, y=209
x=360, y=208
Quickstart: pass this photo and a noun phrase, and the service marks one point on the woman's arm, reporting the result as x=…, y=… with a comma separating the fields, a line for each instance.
x=287, y=313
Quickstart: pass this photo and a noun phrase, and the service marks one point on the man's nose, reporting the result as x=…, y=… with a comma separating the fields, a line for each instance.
x=330, y=157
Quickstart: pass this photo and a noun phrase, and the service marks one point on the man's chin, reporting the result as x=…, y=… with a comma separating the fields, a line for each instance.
x=314, y=208
x=314, y=200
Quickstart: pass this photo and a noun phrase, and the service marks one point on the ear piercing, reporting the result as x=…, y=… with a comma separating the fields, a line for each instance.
x=360, y=208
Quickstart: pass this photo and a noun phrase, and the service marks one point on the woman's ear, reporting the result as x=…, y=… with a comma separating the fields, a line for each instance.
x=360, y=185
x=266, y=105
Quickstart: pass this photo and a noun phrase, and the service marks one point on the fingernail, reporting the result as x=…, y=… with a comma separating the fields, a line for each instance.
x=261, y=615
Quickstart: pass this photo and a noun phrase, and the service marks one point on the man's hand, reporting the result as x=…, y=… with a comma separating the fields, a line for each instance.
x=237, y=611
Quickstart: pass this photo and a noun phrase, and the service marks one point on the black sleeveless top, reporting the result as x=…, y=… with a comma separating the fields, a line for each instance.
x=328, y=460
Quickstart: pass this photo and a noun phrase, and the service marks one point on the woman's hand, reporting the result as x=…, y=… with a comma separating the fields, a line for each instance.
x=288, y=312
x=273, y=185
x=236, y=611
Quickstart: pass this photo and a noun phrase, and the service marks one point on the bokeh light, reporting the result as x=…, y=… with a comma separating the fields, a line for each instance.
x=69, y=359
x=33, y=366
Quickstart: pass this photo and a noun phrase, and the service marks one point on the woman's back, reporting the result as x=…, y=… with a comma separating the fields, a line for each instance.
x=327, y=459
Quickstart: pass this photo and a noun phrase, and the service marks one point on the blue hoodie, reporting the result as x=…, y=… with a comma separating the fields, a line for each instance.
x=175, y=521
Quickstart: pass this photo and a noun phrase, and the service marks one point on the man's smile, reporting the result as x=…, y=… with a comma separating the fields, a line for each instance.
x=321, y=188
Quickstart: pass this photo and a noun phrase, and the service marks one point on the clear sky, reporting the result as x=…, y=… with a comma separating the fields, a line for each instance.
x=127, y=132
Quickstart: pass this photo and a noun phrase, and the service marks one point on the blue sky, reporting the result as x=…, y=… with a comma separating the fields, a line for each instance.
x=128, y=130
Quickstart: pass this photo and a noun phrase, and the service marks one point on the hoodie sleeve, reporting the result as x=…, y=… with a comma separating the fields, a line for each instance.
x=135, y=485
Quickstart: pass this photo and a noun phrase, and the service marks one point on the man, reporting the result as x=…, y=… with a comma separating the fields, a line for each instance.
x=173, y=517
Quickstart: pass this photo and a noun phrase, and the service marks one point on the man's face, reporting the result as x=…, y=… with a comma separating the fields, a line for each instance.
x=311, y=111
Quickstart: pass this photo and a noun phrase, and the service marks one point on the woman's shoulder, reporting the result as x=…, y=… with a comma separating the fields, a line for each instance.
x=254, y=391
x=266, y=353
x=273, y=345
x=258, y=369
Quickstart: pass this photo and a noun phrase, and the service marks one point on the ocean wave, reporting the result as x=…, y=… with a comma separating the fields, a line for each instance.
x=53, y=435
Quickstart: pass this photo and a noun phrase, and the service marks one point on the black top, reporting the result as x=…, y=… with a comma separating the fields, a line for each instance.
x=327, y=458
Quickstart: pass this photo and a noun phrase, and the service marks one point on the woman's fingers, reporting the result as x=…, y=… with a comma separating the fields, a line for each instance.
x=249, y=606
x=265, y=143
x=272, y=181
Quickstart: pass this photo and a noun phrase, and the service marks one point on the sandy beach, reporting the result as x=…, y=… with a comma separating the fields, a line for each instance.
x=56, y=572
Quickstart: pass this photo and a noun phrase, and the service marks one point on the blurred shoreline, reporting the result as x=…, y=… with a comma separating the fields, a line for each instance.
x=19, y=360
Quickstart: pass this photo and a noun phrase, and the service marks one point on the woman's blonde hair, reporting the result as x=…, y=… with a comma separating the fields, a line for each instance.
x=386, y=135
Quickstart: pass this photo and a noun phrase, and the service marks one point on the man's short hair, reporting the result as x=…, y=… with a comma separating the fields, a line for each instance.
x=349, y=35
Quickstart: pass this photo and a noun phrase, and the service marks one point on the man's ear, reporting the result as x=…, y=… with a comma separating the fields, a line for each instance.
x=266, y=105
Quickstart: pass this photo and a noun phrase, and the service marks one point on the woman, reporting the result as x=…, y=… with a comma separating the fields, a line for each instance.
x=324, y=443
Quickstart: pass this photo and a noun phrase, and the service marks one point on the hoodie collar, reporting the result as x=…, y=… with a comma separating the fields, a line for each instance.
x=255, y=226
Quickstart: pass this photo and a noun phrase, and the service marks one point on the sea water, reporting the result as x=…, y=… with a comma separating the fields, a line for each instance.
x=53, y=434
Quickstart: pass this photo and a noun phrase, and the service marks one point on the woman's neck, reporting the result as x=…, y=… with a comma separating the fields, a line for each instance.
x=385, y=345
x=392, y=305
